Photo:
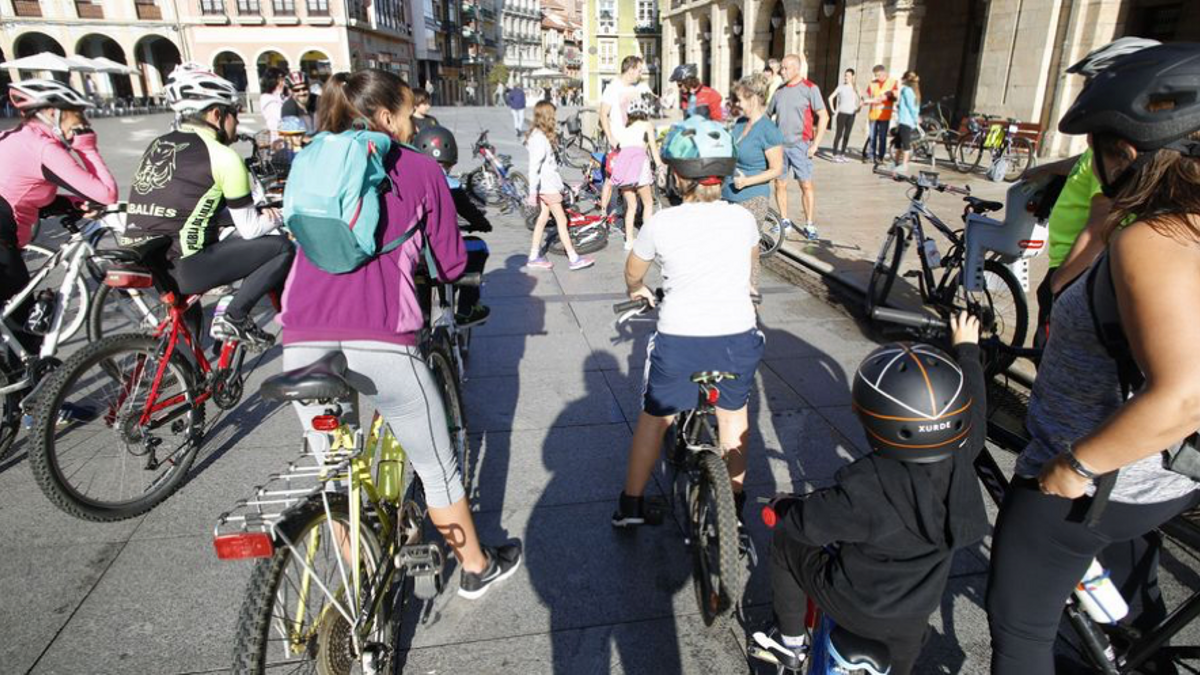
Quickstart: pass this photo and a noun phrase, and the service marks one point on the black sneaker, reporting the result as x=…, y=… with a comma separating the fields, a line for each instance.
x=502, y=562
x=631, y=512
x=475, y=316
x=244, y=331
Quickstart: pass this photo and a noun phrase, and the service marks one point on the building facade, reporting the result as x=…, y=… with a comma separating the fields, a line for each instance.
x=239, y=39
x=1002, y=57
x=439, y=50
x=479, y=41
x=614, y=29
x=521, y=36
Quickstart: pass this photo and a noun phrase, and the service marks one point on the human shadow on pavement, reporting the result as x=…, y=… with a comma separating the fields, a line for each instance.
x=588, y=574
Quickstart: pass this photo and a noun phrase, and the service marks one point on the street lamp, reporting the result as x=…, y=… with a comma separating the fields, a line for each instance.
x=828, y=7
x=775, y=21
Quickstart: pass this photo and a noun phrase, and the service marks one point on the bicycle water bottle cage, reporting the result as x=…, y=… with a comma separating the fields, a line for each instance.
x=854, y=652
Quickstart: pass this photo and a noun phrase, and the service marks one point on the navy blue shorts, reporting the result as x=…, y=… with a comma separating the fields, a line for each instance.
x=672, y=359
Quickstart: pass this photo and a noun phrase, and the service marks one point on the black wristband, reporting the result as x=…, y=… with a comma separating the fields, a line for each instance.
x=1077, y=466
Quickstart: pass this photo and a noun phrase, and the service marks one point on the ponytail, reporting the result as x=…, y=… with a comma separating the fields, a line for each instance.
x=350, y=97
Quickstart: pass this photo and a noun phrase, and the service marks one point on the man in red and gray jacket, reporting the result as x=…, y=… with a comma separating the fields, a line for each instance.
x=800, y=114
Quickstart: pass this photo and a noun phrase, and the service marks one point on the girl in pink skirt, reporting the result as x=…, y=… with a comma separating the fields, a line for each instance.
x=631, y=171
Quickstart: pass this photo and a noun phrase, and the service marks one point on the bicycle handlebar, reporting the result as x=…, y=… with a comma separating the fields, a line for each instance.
x=641, y=303
x=916, y=181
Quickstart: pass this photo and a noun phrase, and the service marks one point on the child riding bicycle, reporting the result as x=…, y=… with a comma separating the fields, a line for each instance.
x=874, y=551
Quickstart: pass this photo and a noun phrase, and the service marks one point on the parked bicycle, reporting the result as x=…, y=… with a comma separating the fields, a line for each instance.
x=700, y=482
x=576, y=148
x=496, y=182
x=973, y=275
x=118, y=425
x=1009, y=154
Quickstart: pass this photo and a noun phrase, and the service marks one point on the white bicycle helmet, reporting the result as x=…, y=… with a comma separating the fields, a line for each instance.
x=1099, y=59
x=31, y=95
x=191, y=88
x=640, y=106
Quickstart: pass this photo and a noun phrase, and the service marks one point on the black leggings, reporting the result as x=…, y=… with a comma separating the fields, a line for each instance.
x=14, y=276
x=477, y=256
x=845, y=123
x=261, y=263
x=1042, y=548
x=795, y=568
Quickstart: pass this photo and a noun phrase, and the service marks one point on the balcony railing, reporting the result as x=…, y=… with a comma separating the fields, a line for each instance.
x=28, y=8
x=86, y=9
x=148, y=11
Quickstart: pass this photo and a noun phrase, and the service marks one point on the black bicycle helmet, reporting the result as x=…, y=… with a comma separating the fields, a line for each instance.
x=1098, y=59
x=1150, y=98
x=437, y=142
x=912, y=402
x=683, y=72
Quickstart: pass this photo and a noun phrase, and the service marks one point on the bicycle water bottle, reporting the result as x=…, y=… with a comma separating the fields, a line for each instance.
x=391, y=468
x=222, y=305
x=932, y=256
x=1099, y=595
x=41, y=315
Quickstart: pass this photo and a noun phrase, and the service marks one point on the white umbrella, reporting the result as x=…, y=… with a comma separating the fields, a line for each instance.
x=107, y=65
x=547, y=74
x=43, y=61
x=82, y=64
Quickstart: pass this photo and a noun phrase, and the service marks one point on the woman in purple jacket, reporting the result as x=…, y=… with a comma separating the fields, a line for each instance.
x=372, y=316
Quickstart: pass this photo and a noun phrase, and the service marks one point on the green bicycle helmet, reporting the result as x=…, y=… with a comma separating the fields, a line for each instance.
x=700, y=149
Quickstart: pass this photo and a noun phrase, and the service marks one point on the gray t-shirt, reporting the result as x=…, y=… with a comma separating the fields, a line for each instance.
x=1075, y=392
x=795, y=108
x=704, y=251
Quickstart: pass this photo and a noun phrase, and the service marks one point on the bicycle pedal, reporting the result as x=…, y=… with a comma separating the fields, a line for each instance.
x=422, y=562
x=654, y=511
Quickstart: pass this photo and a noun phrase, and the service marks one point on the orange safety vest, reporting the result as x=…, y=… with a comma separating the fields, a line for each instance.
x=881, y=111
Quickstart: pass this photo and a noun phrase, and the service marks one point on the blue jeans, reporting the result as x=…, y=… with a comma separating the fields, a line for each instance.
x=877, y=139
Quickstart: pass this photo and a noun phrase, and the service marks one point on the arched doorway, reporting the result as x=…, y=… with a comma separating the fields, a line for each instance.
x=105, y=85
x=317, y=65
x=778, y=24
x=156, y=57
x=737, y=30
x=231, y=67
x=824, y=63
x=271, y=59
x=31, y=43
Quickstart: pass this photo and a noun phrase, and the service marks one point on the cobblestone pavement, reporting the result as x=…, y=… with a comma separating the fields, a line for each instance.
x=551, y=399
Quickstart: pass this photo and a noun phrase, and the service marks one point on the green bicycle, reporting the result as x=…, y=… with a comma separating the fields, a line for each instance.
x=338, y=534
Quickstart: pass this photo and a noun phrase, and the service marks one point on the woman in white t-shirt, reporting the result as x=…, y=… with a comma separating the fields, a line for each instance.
x=708, y=252
x=846, y=101
x=631, y=170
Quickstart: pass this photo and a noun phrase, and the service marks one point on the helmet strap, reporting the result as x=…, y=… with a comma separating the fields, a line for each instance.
x=52, y=117
x=1113, y=188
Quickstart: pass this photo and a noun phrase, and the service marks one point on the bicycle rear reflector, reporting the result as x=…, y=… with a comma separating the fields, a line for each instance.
x=713, y=395
x=326, y=423
x=770, y=518
x=125, y=278
x=244, y=545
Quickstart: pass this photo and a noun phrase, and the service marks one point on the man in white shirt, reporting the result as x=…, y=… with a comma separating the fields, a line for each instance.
x=614, y=104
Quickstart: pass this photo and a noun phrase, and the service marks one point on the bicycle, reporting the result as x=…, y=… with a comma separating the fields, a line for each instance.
x=496, y=182
x=701, y=482
x=972, y=275
x=137, y=391
x=1109, y=649
x=1010, y=154
x=337, y=536
x=575, y=147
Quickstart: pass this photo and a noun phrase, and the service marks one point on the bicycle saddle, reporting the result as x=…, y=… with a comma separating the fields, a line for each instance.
x=711, y=377
x=145, y=252
x=323, y=380
x=983, y=205
x=857, y=652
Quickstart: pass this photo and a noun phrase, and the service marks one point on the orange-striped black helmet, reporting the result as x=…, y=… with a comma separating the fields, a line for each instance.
x=912, y=402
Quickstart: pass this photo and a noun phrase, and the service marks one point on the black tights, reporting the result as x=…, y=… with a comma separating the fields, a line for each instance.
x=261, y=263
x=14, y=276
x=845, y=123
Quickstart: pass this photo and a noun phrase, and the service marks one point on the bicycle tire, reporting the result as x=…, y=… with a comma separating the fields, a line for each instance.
x=77, y=299
x=574, y=154
x=447, y=377
x=256, y=618
x=45, y=453
x=886, y=267
x=715, y=603
x=595, y=239
x=485, y=186
x=969, y=154
x=1021, y=158
x=770, y=235
x=996, y=361
x=108, y=304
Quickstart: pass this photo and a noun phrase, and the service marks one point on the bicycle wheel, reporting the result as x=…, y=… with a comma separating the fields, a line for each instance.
x=886, y=267
x=969, y=154
x=590, y=240
x=485, y=185
x=714, y=538
x=447, y=377
x=925, y=151
x=297, y=601
x=77, y=298
x=90, y=452
x=770, y=235
x=574, y=154
x=1003, y=312
x=1020, y=157
x=123, y=310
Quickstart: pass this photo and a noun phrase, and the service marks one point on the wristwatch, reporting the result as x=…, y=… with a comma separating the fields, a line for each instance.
x=1077, y=466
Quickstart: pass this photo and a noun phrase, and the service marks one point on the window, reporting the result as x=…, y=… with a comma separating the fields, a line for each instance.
x=608, y=16
x=649, y=49
x=356, y=8
x=247, y=6
x=283, y=7
x=318, y=7
x=212, y=6
x=646, y=13
x=608, y=54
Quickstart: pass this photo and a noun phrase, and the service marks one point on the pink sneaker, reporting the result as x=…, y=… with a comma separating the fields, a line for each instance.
x=539, y=264
x=582, y=263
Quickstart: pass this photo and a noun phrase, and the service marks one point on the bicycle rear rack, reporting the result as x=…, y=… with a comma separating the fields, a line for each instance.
x=310, y=474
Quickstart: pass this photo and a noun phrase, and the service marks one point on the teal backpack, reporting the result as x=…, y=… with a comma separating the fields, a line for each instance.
x=332, y=200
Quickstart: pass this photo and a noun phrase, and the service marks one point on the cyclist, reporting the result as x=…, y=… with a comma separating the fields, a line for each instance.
x=708, y=252
x=378, y=329
x=302, y=103
x=1092, y=480
x=438, y=143
x=875, y=550
x=186, y=179
x=35, y=161
x=696, y=98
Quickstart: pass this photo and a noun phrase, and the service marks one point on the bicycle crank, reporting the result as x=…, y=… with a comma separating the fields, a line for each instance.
x=423, y=562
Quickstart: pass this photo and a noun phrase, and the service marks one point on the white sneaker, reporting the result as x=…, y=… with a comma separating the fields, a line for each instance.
x=628, y=245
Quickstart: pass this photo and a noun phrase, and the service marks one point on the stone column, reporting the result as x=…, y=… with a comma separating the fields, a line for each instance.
x=667, y=48
x=718, y=49
x=754, y=48
x=1017, y=48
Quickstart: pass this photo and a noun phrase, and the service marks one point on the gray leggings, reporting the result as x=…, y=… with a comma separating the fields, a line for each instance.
x=405, y=393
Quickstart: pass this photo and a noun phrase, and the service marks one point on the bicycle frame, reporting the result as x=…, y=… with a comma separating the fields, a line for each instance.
x=930, y=288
